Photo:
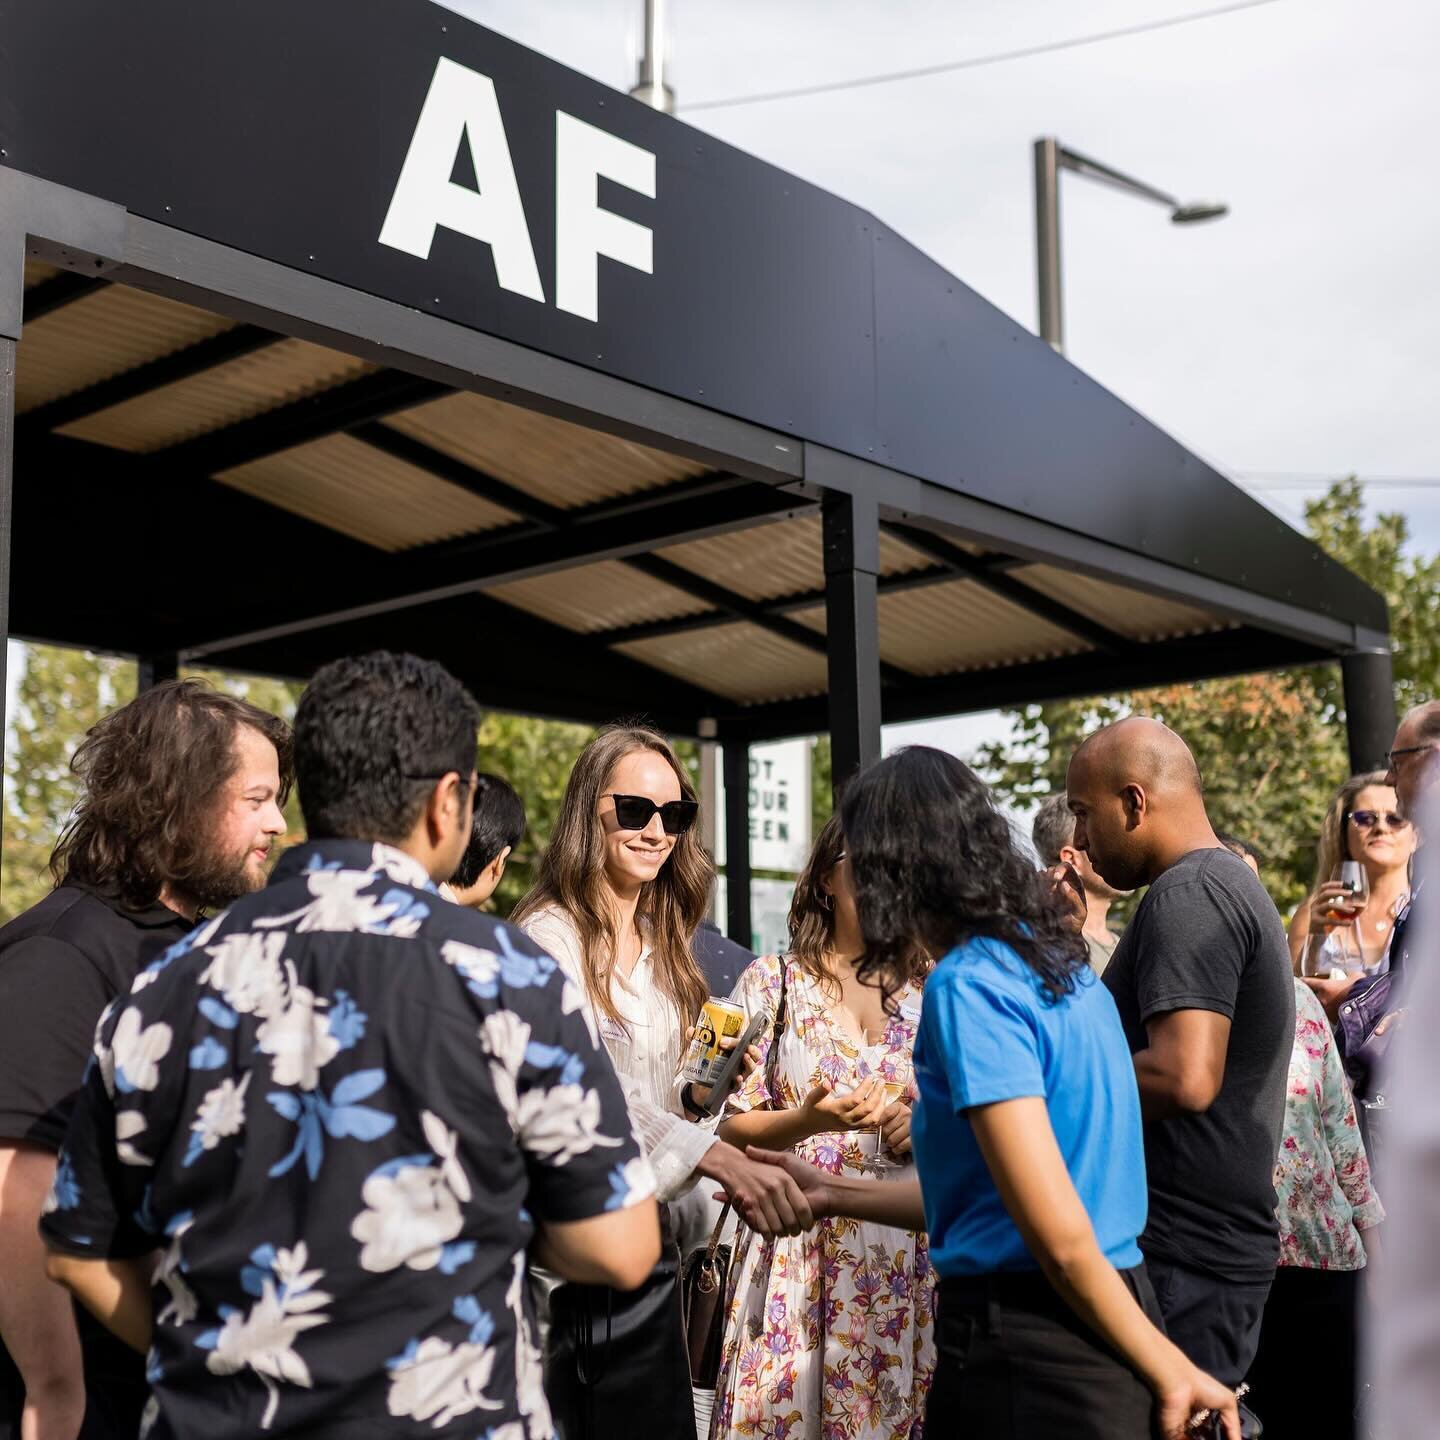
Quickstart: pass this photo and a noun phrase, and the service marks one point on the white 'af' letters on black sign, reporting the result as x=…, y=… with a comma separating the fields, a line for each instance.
x=461, y=107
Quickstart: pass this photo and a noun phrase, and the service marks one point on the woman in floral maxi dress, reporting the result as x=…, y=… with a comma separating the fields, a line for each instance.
x=828, y=1334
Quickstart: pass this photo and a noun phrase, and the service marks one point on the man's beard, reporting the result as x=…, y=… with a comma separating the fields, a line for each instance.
x=220, y=880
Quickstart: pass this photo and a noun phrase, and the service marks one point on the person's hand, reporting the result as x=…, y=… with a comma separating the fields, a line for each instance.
x=812, y=1184
x=859, y=1109
x=767, y=1195
x=1183, y=1403
x=749, y=1063
x=895, y=1128
x=1069, y=894
x=1323, y=907
x=1393, y=1021
x=1331, y=993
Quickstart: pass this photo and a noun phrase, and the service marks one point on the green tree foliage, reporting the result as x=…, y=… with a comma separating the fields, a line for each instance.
x=61, y=694
x=1271, y=747
x=535, y=756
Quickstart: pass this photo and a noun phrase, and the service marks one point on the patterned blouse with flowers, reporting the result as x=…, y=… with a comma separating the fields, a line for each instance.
x=1322, y=1178
x=828, y=1334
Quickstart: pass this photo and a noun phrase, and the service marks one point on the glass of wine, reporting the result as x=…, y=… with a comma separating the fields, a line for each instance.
x=1338, y=951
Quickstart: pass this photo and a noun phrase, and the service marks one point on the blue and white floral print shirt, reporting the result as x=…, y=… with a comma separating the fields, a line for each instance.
x=337, y=1110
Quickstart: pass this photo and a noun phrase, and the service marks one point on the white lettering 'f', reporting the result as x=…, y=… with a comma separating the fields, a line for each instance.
x=583, y=231
x=461, y=106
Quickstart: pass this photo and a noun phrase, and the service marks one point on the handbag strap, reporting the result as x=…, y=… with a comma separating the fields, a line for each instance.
x=777, y=1029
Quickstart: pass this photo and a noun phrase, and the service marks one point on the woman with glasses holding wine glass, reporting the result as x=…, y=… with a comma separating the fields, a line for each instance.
x=828, y=1333
x=620, y=892
x=1342, y=930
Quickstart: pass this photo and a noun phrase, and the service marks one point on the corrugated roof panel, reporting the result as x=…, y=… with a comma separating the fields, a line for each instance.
x=598, y=597
x=238, y=390
x=1135, y=613
x=785, y=558
x=560, y=463
x=103, y=334
x=362, y=492
x=38, y=270
x=959, y=625
x=739, y=661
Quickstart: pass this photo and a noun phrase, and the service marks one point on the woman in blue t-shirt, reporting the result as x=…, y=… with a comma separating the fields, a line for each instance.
x=1026, y=1130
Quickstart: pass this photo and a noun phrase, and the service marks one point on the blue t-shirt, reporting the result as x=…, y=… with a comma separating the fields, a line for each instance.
x=988, y=1032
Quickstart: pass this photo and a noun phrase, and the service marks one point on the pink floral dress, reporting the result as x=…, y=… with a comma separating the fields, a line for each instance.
x=828, y=1334
x=1322, y=1177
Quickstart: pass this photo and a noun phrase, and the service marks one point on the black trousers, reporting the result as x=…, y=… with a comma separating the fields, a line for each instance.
x=1215, y=1322
x=1014, y=1362
x=615, y=1360
x=1307, y=1349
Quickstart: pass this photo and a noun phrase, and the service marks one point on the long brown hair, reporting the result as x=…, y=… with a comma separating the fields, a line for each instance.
x=150, y=774
x=571, y=877
x=1333, y=846
x=812, y=910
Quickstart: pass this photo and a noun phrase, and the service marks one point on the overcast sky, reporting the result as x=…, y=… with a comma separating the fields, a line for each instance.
x=1296, y=337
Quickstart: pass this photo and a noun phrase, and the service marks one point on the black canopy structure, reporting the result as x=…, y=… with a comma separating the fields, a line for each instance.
x=350, y=323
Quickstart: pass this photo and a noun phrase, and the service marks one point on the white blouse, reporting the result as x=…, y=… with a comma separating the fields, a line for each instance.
x=646, y=1053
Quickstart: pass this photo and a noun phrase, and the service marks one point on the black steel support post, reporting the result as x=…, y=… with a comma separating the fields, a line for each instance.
x=153, y=670
x=12, y=301
x=1369, y=708
x=852, y=631
x=737, y=842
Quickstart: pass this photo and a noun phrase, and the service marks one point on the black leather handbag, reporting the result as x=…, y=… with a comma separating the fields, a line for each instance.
x=705, y=1279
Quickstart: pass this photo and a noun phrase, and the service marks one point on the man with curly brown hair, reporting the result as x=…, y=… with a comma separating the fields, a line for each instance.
x=180, y=802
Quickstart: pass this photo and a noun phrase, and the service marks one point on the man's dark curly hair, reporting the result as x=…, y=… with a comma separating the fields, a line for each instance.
x=935, y=862
x=373, y=733
x=151, y=774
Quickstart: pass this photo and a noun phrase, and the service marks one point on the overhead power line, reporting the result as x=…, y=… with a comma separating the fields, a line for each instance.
x=1284, y=480
x=974, y=62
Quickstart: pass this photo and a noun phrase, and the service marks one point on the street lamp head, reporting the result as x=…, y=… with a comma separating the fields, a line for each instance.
x=1204, y=210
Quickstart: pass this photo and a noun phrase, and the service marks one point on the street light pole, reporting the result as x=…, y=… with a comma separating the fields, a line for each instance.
x=651, y=87
x=1051, y=157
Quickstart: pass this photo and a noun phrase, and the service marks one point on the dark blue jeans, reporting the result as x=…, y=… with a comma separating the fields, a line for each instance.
x=1215, y=1322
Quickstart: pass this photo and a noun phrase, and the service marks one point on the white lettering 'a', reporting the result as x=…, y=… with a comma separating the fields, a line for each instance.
x=461, y=105
x=583, y=231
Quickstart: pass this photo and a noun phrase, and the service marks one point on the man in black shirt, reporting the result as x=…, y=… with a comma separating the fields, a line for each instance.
x=180, y=802
x=1203, y=984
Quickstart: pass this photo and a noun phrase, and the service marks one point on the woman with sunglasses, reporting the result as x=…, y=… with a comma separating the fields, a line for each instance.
x=1362, y=824
x=620, y=892
x=828, y=1333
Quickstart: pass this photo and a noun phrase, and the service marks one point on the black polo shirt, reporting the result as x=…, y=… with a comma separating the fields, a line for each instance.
x=61, y=963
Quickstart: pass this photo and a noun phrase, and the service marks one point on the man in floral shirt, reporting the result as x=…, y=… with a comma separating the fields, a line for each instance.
x=343, y=1111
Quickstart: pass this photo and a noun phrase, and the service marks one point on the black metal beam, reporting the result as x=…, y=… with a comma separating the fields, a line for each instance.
x=410, y=451
x=341, y=407
x=1369, y=687
x=152, y=375
x=510, y=660
x=153, y=670
x=58, y=291
x=736, y=764
x=790, y=604
x=1192, y=657
x=739, y=607
x=479, y=562
x=979, y=569
x=852, y=629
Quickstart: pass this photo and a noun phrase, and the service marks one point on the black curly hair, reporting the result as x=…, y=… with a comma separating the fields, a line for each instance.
x=935, y=862
x=372, y=735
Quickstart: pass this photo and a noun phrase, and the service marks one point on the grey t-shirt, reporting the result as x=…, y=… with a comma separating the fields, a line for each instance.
x=1208, y=937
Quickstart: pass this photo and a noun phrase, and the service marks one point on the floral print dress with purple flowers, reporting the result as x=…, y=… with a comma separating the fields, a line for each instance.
x=828, y=1334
